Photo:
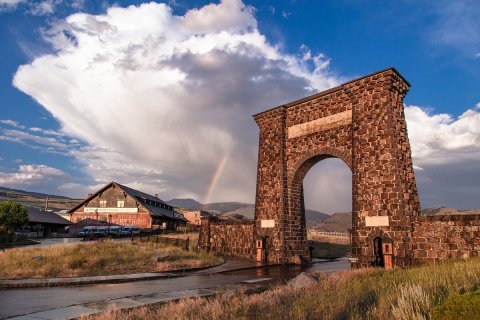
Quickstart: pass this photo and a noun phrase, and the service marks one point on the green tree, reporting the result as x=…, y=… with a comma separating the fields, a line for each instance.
x=12, y=216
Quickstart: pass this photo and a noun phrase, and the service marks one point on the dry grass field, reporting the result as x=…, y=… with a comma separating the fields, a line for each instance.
x=401, y=294
x=98, y=258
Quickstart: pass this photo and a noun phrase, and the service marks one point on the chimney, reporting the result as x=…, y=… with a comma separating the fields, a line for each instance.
x=46, y=203
x=156, y=195
x=89, y=195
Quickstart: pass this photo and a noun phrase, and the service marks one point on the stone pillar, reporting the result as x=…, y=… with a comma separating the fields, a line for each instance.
x=385, y=195
x=270, y=203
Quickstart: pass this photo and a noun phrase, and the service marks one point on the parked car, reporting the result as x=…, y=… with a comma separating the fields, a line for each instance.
x=87, y=231
x=128, y=230
x=101, y=231
x=114, y=230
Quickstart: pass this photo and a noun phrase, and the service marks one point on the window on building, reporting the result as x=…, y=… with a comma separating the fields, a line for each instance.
x=120, y=203
x=103, y=203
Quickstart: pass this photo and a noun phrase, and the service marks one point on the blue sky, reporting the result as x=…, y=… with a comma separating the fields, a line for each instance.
x=160, y=96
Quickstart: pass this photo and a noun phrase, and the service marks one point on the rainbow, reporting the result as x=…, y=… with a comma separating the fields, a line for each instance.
x=216, y=177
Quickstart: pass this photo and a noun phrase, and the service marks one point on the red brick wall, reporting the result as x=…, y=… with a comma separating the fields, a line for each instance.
x=141, y=219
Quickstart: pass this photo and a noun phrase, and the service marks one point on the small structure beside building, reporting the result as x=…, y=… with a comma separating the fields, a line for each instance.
x=194, y=217
x=44, y=223
x=116, y=204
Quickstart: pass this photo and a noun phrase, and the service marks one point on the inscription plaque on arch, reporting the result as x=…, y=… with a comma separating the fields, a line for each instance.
x=317, y=125
x=377, y=221
x=267, y=223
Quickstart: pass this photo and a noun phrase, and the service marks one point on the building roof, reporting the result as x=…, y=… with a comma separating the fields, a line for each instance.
x=40, y=216
x=162, y=212
x=148, y=201
x=139, y=194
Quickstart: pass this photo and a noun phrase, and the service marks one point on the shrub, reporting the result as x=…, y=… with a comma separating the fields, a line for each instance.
x=12, y=216
x=458, y=307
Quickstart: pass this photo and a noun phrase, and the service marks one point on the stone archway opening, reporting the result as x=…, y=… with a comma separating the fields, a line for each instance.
x=323, y=169
x=327, y=187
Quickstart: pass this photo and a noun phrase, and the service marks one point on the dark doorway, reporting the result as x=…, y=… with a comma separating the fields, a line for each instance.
x=378, y=252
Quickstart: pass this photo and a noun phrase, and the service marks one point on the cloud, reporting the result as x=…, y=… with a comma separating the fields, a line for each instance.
x=440, y=138
x=328, y=187
x=445, y=152
x=47, y=132
x=45, y=179
x=7, y=5
x=456, y=24
x=12, y=123
x=161, y=99
x=49, y=141
x=477, y=55
x=39, y=8
x=43, y=8
x=31, y=174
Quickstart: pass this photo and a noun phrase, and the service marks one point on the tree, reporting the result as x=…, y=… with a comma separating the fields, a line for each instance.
x=12, y=216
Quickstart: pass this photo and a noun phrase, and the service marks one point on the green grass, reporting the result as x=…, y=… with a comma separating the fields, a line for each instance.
x=98, y=258
x=359, y=294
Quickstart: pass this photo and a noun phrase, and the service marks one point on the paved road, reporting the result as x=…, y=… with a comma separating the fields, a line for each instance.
x=24, y=301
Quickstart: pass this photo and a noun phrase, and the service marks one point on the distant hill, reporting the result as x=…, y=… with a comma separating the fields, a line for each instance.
x=315, y=217
x=37, y=200
x=246, y=211
x=4, y=190
x=225, y=207
x=339, y=222
x=234, y=209
x=185, y=203
x=447, y=211
x=218, y=207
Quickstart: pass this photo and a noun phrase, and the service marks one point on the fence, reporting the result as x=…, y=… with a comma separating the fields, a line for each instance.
x=328, y=234
x=178, y=242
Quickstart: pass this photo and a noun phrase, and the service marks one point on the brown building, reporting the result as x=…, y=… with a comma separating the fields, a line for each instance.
x=194, y=217
x=43, y=223
x=120, y=205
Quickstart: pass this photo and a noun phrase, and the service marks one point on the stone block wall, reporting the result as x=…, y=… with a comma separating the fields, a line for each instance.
x=446, y=237
x=360, y=122
x=233, y=239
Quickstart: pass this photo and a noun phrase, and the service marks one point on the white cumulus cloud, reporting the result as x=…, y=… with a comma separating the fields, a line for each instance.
x=45, y=179
x=30, y=174
x=446, y=154
x=441, y=138
x=162, y=99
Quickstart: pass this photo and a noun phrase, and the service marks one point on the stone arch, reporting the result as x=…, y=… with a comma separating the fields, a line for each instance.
x=310, y=158
x=302, y=166
x=360, y=122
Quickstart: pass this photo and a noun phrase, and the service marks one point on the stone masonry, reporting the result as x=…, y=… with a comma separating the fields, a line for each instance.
x=233, y=239
x=446, y=237
x=361, y=122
